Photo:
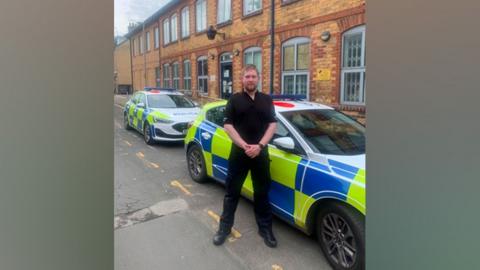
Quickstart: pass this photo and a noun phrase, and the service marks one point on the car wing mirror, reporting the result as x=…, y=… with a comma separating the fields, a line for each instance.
x=141, y=105
x=285, y=144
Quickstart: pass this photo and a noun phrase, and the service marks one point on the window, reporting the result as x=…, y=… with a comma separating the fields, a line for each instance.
x=250, y=6
x=166, y=75
x=187, y=75
x=166, y=32
x=254, y=56
x=169, y=101
x=138, y=46
x=328, y=131
x=295, y=66
x=201, y=15
x=202, y=71
x=353, y=67
x=142, y=48
x=173, y=24
x=157, y=76
x=176, y=77
x=147, y=40
x=156, y=36
x=216, y=115
x=185, y=22
x=224, y=11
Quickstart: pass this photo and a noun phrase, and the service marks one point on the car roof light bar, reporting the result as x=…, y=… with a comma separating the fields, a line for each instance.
x=289, y=97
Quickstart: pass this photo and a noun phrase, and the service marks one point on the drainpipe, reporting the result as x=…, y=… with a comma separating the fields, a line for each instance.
x=272, y=43
x=131, y=67
x=144, y=45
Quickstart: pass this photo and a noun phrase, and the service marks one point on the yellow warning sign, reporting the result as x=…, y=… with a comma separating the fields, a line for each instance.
x=323, y=74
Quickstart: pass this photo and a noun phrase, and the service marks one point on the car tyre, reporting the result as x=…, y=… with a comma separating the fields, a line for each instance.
x=147, y=134
x=196, y=164
x=340, y=232
x=126, y=123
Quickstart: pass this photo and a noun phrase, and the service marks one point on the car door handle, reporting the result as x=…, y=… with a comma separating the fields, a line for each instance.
x=206, y=135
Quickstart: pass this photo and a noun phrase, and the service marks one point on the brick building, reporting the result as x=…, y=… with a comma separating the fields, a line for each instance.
x=319, y=48
x=122, y=67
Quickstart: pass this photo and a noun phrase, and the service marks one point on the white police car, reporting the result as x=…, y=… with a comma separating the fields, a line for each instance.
x=160, y=114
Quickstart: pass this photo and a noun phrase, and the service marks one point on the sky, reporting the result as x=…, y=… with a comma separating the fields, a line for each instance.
x=126, y=11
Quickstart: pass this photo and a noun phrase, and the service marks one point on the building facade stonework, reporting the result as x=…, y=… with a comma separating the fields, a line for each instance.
x=319, y=49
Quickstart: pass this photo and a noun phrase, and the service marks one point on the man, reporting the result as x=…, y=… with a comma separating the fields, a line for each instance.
x=250, y=123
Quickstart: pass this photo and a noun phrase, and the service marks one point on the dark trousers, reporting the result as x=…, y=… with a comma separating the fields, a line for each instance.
x=238, y=166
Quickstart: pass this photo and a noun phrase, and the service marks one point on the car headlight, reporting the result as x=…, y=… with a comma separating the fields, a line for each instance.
x=162, y=120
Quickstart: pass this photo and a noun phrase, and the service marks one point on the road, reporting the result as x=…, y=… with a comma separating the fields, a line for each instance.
x=164, y=220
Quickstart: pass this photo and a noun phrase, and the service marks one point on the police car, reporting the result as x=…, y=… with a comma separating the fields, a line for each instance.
x=317, y=168
x=160, y=114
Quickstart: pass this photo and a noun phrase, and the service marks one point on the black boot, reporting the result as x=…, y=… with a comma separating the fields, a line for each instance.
x=220, y=237
x=268, y=237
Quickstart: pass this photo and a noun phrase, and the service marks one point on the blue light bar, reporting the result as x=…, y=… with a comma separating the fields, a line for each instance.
x=289, y=97
x=149, y=88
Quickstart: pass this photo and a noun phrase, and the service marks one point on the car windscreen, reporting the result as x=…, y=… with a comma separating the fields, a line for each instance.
x=169, y=101
x=328, y=131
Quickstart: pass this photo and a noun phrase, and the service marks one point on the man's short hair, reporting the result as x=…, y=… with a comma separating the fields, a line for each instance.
x=248, y=67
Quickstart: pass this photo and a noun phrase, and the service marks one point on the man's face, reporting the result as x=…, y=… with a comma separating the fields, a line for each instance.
x=250, y=80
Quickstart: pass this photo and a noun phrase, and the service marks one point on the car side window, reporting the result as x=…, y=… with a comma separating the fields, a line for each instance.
x=134, y=98
x=281, y=131
x=216, y=115
x=141, y=99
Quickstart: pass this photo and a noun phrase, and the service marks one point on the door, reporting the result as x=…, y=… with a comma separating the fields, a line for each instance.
x=226, y=76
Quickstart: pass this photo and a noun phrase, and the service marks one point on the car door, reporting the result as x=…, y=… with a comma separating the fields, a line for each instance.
x=138, y=113
x=286, y=170
x=130, y=109
x=214, y=142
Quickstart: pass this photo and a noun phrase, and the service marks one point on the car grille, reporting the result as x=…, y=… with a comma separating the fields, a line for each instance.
x=180, y=126
x=160, y=133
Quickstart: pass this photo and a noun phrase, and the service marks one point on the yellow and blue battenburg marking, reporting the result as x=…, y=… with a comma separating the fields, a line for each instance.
x=297, y=183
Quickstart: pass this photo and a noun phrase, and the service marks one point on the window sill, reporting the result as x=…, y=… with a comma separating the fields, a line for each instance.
x=288, y=2
x=185, y=38
x=201, y=32
x=252, y=14
x=223, y=24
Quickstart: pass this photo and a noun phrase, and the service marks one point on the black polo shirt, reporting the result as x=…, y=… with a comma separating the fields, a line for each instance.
x=250, y=118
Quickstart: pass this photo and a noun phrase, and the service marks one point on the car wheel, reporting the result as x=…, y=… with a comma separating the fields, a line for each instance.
x=126, y=124
x=196, y=164
x=147, y=134
x=341, y=234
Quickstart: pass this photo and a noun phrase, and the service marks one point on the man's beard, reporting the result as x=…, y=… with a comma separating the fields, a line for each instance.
x=251, y=88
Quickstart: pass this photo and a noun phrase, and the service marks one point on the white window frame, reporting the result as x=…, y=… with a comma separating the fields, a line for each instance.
x=295, y=42
x=205, y=76
x=147, y=40
x=185, y=21
x=361, y=69
x=245, y=6
x=166, y=79
x=166, y=31
x=173, y=27
x=142, y=49
x=189, y=77
x=224, y=11
x=201, y=15
x=253, y=50
x=156, y=37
